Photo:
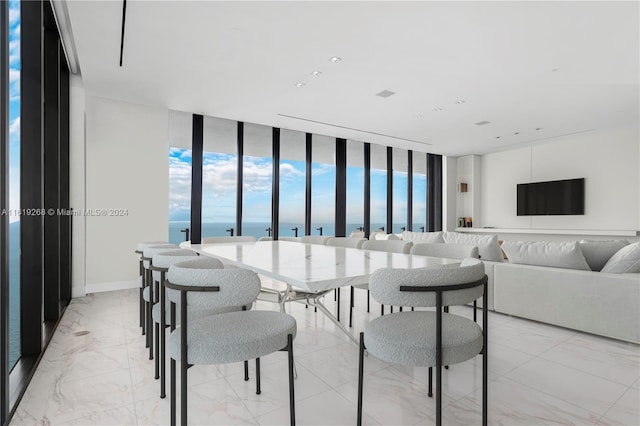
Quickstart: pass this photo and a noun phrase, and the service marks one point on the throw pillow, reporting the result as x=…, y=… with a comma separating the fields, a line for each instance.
x=488, y=246
x=626, y=260
x=546, y=253
x=597, y=253
x=423, y=237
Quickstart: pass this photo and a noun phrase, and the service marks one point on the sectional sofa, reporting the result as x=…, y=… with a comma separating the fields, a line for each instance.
x=592, y=287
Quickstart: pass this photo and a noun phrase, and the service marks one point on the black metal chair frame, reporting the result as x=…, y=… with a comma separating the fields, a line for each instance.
x=184, y=365
x=439, y=289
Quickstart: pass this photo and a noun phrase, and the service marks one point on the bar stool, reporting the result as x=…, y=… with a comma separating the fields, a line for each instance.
x=141, y=279
x=148, y=291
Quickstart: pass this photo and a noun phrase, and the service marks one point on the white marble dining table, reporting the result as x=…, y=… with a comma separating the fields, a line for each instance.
x=311, y=270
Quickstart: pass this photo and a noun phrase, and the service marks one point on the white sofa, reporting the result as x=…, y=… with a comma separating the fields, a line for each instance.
x=602, y=303
x=594, y=302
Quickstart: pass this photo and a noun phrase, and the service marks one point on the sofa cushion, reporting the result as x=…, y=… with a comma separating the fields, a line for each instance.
x=626, y=260
x=488, y=246
x=423, y=237
x=383, y=236
x=546, y=253
x=597, y=253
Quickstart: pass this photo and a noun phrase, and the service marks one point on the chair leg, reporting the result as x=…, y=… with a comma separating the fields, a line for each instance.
x=351, y=308
x=258, y=389
x=142, y=311
x=439, y=395
x=156, y=344
x=150, y=316
x=368, y=301
x=338, y=305
x=381, y=310
x=246, y=371
x=391, y=308
x=430, y=392
x=360, y=378
x=173, y=391
x=292, y=400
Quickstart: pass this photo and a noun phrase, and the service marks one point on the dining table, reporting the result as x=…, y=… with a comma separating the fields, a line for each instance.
x=310, y=271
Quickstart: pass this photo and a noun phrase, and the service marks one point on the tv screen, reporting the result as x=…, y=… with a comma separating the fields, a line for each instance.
x=558, y=197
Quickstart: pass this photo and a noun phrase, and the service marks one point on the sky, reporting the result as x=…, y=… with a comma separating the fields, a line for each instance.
x=219, y=191
x=14, y=106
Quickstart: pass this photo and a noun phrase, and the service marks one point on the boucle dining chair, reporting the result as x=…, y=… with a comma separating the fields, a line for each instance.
x=229, y=239
x=149, y=296
x=141, y=279
x=390, y=246
x=226, y=337
x=348, y=242
x=427, y=338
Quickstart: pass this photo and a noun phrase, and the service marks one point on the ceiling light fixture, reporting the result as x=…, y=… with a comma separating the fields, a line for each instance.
x=460, y=101
x=498, y=137
x=316, y=73
x=538, y=128
x=516, y=133
x=385, y=93
x=437, y=109
x=300, y=84
x=482, y=123
x=335, y=59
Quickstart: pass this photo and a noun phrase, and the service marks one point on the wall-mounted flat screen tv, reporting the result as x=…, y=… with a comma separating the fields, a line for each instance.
x=558, y=197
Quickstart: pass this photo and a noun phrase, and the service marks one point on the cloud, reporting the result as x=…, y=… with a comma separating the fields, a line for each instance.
x=14, y=13
x=14, y=75
x=322, y=169
x=14, y=128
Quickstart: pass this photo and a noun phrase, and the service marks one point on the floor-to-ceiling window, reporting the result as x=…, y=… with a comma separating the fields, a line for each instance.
x=257, y=178
x=292, y=183
x=355, y=186
x=179, y=175
x=400, y=182
x=419, y=192
x=14, y=182
x=323, y=189
x=378, y=188
x=219, y=177
x=36, y=238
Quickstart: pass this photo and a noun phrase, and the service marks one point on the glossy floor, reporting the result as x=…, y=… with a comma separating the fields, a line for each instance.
x=96, y=371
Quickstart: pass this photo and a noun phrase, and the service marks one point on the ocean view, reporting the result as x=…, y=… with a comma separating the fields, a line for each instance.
x=257, y=229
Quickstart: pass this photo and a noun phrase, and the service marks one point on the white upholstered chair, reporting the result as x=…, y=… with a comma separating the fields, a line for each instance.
x=141, y=279
x=226, y=337
x=315, y=239
x=427, y=338
x=229, y=239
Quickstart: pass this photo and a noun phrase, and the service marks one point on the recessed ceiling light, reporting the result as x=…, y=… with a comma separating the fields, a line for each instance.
x=482, y=123
x=419, y=116
x=555, y=69
x=335, y=59
x=498, y=137
x=516, y=133
x=538, y=128
x=460, y=101
x=300, y=84
x=316, y=73
x=437, y=109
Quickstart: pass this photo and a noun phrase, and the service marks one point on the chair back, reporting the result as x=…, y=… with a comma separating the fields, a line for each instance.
x=346, y=242
x=229, y=239
x=237, y=287
x=293, y=239
x=141, y=246
x=385, y=283
x=314, y=239
x=152, y=250
x=164, y=259
x=449, y=251
x=265, y=239
x=391, y=246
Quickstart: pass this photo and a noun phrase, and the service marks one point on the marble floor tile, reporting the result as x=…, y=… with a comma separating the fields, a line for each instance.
x=594, y=393
x=538, y=375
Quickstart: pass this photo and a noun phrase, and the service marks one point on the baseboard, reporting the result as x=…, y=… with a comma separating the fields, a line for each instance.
x=111, y=286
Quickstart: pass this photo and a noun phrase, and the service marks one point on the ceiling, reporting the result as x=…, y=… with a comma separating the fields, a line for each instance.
x=533, y=70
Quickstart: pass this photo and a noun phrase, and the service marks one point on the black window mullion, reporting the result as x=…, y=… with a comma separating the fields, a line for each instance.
x=239, y=178
x=434, y=192
x=367, y=189
x=389, y=190
x=31, y=176
x=409, y=190
x=275, y=184
x=309, y=174
x=341, y=188
x=51, y=175
x=197, y=147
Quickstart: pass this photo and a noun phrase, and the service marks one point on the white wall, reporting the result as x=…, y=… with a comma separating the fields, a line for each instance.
x=77, y=183
x=127, y=165
x=449, y=193
x=608, y=160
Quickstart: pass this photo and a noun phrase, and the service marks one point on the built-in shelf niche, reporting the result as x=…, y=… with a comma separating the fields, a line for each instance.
x=468, y=184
